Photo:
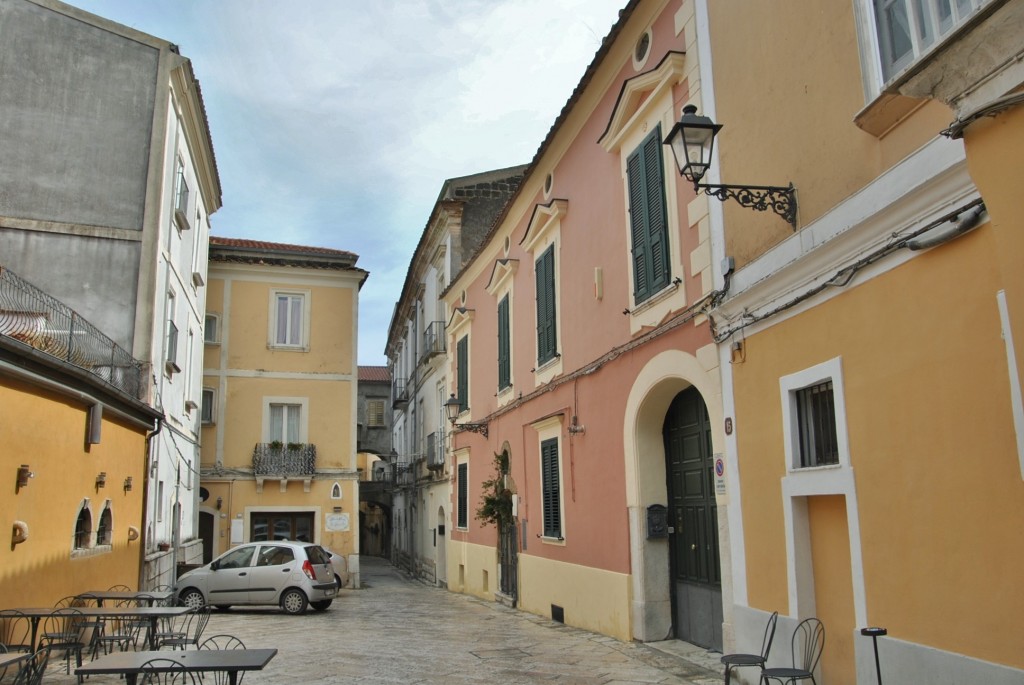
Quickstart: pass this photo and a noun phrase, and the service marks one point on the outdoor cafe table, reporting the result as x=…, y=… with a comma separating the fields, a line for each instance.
x=152, y=614
x=149, y=597
x=12, y=658
x=230, y=661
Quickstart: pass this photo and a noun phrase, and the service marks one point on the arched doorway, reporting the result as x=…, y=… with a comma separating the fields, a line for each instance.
x=694, y=561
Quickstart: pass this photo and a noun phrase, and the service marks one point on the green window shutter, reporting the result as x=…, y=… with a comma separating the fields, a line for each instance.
x=504, y=349
x=546, y=340
x=463, y=520
x=462, y=362
x=550, y=489
x=647, y=216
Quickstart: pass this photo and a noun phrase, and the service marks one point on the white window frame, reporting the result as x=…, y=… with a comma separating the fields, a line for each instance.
x=212, y=406
x=790, y=386
x=551, y=429
x=213, y=339
x=301, y=402
x=870, y=39
x=303, y=343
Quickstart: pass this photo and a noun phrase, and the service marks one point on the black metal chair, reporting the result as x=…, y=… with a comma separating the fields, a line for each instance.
x=116, y=632
x=64, y=632
x=192, y=630
x=165, y=672
x=15, y=631
x=732, y=661
x=221, y=642
x=32, y=670
x=808, y=642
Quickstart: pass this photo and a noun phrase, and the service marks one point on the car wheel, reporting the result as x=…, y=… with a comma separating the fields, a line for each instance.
x=192, y=598
x=294, y=601
x=223, y=607
x=321, y=605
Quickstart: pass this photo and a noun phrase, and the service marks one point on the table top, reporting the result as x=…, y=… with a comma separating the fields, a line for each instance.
x=155, y=595
x=8, y=658
x=40, y=612
x=196, y=660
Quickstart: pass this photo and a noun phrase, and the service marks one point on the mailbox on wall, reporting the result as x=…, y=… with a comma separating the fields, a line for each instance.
x=657, y=521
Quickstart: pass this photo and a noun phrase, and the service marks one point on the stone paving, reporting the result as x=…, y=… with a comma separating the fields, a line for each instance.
x=398, y=630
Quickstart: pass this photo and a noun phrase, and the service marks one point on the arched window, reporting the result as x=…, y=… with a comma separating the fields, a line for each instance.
x=336, y=491
x=83, y=527
x=104, y=533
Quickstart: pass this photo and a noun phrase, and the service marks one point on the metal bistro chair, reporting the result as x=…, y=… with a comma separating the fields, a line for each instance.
x=732, y=661
x=116, y=632
x=15, y=631
x=221, y=642
x=165, y=672
x=192, y=629
x=64, y=632
x=32, y=670
x=806, y=648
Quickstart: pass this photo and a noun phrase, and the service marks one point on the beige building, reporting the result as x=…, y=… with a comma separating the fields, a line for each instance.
x=279, y=456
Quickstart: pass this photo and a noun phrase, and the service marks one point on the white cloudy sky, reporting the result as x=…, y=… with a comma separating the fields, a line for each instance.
x=335, y=123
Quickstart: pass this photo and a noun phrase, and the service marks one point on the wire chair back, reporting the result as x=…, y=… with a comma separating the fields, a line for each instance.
x=164, y=672
x=32, y=670
x=808, y=644
x=15, y=631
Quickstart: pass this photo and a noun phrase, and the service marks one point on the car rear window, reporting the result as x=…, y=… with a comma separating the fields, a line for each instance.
x=317, y=555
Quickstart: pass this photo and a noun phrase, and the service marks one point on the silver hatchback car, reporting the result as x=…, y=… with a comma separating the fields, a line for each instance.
x=293, y=575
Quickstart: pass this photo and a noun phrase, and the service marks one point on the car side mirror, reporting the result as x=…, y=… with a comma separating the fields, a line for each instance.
x=214, y=566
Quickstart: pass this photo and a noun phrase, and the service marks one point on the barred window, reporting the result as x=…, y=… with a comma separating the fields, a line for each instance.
x=816, y=420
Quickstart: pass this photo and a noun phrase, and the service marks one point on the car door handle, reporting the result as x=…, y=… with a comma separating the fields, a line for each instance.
x=286, y=570
x=243, y=573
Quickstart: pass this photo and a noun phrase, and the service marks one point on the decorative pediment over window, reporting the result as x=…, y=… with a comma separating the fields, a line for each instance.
x=461, y=317
x=502, y=273
x=637, y=96
x=544, y=219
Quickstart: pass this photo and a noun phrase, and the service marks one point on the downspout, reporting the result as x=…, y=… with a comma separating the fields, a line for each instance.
x=965, y=222
x=145, y=500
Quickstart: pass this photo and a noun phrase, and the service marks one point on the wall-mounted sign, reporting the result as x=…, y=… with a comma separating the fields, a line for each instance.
x=720, y=474
x=336, y=523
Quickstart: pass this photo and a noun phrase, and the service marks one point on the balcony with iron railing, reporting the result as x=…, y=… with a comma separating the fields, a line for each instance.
x=433, y=341
x=284, y=460
x=46, y=324
x=400, y=391
x=435, y=451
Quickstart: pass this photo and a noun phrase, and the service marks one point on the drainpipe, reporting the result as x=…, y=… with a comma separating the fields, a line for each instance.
x=965, y=223
x=145, y=500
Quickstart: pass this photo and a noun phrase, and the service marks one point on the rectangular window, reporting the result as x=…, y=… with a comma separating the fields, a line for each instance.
x=546, y=340
x=463, y=477
x=281, y=526
x=285, y=423
x=816, y=421
x=289, y=314
x=908, y=28
x=181, y=193
x=172, y=344
x=550, y=489
x=211, y=329
x=647, y=218
x=208, y=410
x=504, y=346
x=462, y=369
x=375, y=413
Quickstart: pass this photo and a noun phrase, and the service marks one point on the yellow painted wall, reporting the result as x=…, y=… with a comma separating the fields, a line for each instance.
x=931, y=443
x=47, y=432
x=329, y=401
x=331, y=326
x=833, y=586
x=472, y=569
x=593, y=599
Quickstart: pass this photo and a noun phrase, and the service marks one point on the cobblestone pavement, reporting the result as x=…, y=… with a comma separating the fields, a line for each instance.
x=398, y=630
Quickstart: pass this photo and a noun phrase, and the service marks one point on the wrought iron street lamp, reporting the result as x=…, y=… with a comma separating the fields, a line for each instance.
x=453, y=408
x=692, y=139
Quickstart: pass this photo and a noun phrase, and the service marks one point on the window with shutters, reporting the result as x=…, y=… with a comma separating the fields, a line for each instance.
x=463, y=502
x=647, y=218
x=551, y=488
x=546, y=333
x=462, y=373
x=504, y=345
x=375, y=413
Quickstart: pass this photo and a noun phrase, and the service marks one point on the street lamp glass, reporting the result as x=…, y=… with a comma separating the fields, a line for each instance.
x=692, y=139
x=452, y=408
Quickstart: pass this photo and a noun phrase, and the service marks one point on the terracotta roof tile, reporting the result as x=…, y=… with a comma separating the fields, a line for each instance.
x=374, y=374
x=217, y=241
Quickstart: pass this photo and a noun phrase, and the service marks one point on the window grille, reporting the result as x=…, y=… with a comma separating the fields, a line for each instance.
x=816, y=419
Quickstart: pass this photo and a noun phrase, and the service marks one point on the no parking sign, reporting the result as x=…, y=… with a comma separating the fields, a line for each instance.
x=719, y=460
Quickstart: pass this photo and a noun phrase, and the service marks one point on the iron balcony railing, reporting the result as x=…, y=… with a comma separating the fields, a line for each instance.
x=43, y=322
x=435, y=451
x=276, y=459
x=400, y=391
x=433, y=340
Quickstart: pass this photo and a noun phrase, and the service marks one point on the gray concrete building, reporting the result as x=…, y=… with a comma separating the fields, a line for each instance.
x=106, y=189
